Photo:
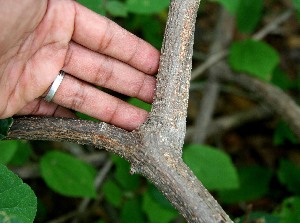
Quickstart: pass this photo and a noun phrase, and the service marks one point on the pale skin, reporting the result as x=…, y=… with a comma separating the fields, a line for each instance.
x=39, y=38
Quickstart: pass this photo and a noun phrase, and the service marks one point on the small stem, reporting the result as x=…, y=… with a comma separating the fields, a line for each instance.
x=78, y=131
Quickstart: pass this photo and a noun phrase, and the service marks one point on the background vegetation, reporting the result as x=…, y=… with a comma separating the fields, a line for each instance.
x=251, y=166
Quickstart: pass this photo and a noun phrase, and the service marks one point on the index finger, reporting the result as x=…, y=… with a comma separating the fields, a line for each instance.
x=100, y=34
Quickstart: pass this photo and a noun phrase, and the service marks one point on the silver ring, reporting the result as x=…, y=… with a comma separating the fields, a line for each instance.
x=55, y=86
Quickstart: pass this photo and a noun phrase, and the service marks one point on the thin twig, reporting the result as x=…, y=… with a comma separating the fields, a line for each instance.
x=209, y=62
x=276, y=98
x=226, y=123
x=223, y=35
x=270, y=27
x=98, y=183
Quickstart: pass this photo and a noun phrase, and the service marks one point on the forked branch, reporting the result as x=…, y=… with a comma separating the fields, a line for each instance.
x=155, y=149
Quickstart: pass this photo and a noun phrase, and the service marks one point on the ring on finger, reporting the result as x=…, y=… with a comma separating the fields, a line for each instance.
x=55, y=86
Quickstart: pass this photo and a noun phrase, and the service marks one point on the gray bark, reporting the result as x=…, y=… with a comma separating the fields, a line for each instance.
x=155, y=149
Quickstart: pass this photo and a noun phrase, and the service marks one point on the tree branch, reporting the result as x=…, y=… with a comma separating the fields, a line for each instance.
x=101, y=135
x=278, y=100
x=173, y=79
x=223, y=36
x=155, y=149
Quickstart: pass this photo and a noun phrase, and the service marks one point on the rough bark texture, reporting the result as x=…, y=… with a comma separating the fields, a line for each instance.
x=155, y=149
x=279, y=101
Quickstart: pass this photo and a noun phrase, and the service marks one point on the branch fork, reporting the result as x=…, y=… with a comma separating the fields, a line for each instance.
x=155, y=149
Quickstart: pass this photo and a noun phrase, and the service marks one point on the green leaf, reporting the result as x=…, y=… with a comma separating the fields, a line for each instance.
x=138, y=103
x=290, y=211
x=254, y=57
x=68, y=175
x=289, y=175
x=248, y=15
x=132, y=211
x=94, y=5
x=155, y=212
x=146, y=6
x=5, y=124
x=296, y=4
x=250, y=187
x=7, y=150
x=230, y=5
x=212, y=167
x=123, y=176
x=17, y=201
x=116, y=8
x=159, y=197
x=22, y=154
x=112, y=193
x=281, y=79
x=283, y=133
x=153, y=33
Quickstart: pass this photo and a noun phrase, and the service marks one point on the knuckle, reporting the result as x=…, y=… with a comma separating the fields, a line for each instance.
x=107, y=37
x=78, y=99
x=140, y=86
x=104, y=73
x=132, y=56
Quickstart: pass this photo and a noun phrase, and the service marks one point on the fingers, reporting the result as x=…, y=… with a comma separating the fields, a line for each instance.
x=40, y=107
x=80, y=96
x=104, y=36
x=109, y=73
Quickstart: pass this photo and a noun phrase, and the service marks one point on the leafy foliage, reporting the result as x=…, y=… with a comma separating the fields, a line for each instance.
x=120, y=191
x=213, y=167
x=296, y=4
x=155, y=212
x=122, y=176
x=146, y=6
x=230, y=5
x=290, y=211
x=250, y=188
x=132, y=212
x=21, y=154
x=282, y=80
x=138, y=103
x=254, y=57
x=289, y=175
x=113, y=193
x=18, y=202
x=4, y=126
x=248, y=14
x=7, y=150
x=283, y=133
x=14, y=152
x=116, y=8
x=96, y=5
x=121, y=9
x=67, y=175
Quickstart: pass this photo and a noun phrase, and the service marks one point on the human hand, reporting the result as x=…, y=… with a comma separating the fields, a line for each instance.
x=40, y=38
